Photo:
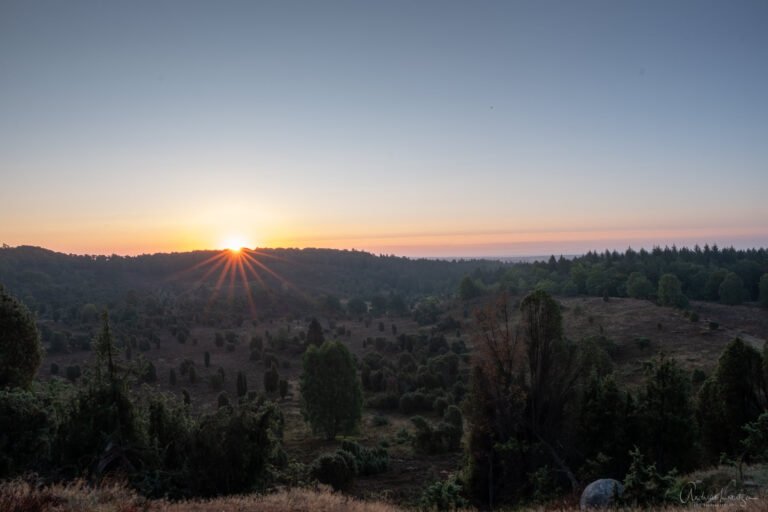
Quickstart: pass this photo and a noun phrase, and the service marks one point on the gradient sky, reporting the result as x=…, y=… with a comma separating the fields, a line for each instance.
x=417, y=128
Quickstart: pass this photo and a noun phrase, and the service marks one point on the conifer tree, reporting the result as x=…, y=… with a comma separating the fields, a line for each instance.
x=330, y=390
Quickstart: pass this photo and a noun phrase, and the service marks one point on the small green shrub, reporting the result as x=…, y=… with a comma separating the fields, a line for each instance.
x=443, y=495
x=334, y=469
x=414, y=402
x=369, y=461
x=642, y=342
x=698, y=376
x=216, y=382
x=380, y=420
x=73, y=372
x=644, y=485
x=385, y=401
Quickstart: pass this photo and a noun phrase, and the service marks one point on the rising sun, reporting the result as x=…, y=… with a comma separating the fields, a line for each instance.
x=235, y=244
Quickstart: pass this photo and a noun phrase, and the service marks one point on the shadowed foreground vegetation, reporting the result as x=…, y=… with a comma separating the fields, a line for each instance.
x=21, y=496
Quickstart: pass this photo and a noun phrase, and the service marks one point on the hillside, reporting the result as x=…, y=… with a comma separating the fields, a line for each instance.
x=195, y=329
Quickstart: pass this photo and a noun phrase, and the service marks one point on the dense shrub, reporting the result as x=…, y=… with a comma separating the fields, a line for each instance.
x=368, y=461
x=330, y=390
x=283, y=388
x=216, y=382
x=233, y=448
x=20, y=349
x=443, y=495
x=415, y=402
x=645, y=485
x=271, y=379
x=27, y=429
x=385, y=401
x=444, y=437
x=334, y=469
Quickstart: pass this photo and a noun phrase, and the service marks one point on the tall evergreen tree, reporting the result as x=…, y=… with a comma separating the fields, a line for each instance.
x=666, y=416
x=331, y=398
x=315, y=334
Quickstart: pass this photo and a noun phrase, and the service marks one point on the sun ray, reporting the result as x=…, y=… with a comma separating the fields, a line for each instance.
x=264, y=254
x=238, y=269
x=255, y=274
x=210, y=271
x=234, y=258
x=280, y=278
x=219, y=282
x=268, y=270
x=216, y=258
x=247, y=285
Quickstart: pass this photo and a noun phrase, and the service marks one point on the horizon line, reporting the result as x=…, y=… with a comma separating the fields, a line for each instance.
x=531, y=257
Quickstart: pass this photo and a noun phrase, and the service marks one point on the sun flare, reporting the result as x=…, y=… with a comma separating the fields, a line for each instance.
x=235, y=244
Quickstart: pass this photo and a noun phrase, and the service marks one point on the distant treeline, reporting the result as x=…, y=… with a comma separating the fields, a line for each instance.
x=59, y=286
x=709, y=273
x=52, y=283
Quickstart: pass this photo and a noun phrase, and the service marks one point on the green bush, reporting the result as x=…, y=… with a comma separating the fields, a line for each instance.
x=440, y=405
x=369, y=461
x=440, y=438
x=20, y=349
x=415, y=402
x=271, y=380
x=234, y=447
x=380, y=420
x=73, y=372
x=216, y=382
x=644, y=485
x=385, y=401
x=27, y=429
x=334, y=469
x=443, y=495
x=330, y=389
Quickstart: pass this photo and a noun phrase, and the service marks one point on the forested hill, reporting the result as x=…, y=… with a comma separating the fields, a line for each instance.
x=296, y=279
x=40, y=276
x=706, y=273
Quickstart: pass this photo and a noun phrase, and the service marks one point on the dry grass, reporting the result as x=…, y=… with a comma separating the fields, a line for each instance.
x=21, y=496
x=77, y=496
x=298, y=500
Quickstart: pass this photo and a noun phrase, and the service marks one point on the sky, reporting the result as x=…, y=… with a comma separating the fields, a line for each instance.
x=421, y=128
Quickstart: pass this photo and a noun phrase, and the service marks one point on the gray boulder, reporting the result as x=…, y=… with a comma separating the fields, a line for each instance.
x=600, y=494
